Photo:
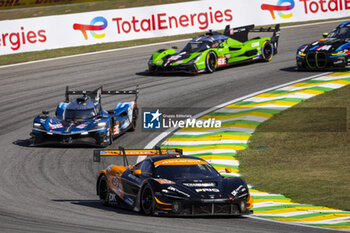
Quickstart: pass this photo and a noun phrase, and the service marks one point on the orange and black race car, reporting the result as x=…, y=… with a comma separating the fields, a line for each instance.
x=167, y=182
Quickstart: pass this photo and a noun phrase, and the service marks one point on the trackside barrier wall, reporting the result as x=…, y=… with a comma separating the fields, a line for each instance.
x=51, y=32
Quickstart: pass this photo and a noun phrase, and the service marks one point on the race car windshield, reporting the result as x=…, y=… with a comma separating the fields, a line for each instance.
x=195, y=46
x=198, y=171
x=340, y=33
x=79, y=114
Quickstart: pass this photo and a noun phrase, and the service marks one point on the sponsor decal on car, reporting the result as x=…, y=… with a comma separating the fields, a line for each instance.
x=221, y=61
x=116, y=129
x=204, y=190
x=55, y=126
x=182, y=161
x=82, y=126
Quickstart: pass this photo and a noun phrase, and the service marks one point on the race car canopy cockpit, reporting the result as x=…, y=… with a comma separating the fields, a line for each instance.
x=81, y=109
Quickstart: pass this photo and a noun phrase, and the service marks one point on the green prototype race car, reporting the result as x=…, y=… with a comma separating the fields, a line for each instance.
x=208, y=52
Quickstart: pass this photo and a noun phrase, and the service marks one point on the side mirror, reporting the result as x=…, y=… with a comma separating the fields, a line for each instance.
x=137, y=172
x=45, y=112
x=174, y=47
x=111, y=112
x=228, y=170
x=325, y=34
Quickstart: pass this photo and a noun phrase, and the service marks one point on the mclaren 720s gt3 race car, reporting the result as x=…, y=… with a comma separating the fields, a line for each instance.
x=208, y=52
x=169, y=183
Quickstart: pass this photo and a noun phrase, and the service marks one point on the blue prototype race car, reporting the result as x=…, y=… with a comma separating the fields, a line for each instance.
x=83, y=121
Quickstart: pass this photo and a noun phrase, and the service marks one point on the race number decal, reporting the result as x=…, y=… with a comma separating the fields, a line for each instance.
x=221, y=61
x=116, y=129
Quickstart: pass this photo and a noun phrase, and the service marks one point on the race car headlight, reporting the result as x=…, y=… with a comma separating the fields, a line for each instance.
x=300, y=53
x=37, y=126
x=174, y=193
x=340, y=52
x=101, y=125
x=239, y=192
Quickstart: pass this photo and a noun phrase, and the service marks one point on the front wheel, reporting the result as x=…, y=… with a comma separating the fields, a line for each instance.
x=147, y=200
x=103, y=190
x=211, y=62
x=267, y=51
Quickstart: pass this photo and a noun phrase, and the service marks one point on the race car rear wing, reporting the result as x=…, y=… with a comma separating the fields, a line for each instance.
x=98, y=92
x=133, y=152
x=241, y=33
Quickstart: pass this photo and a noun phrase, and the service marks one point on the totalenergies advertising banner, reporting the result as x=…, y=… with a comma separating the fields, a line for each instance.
x=41, y=33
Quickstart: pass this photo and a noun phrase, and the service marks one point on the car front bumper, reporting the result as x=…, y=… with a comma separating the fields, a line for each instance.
x=44, y=138
x=322, y=60
x=207, y=207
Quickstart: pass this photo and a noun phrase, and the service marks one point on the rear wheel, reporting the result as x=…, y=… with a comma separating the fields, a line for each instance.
x=211, y=62
x=267, y=51
x=103, y=190
x=147, y=200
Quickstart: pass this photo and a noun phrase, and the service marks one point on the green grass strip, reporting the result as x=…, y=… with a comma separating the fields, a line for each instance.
x=255, y=123
x=280, y=197
x=205, y=145
x=211, y=134
x=228, y=175
x=227, y=166
x=262, y=110
x=228, y=155
x=300, y=217
x=278, y=207
x=312, y=81
x=293, y=100
x=345, y=224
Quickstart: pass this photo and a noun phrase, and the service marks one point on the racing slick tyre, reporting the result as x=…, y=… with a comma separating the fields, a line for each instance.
x=267, y=51
x=36, y=139
x=103, y=190
x=211, y=62
x=135, y=114
x=301, y=67
x=110, y=133
x=147, y=200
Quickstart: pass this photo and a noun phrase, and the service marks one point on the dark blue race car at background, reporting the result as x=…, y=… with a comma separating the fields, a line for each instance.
x=84, y=121
x=331, y=52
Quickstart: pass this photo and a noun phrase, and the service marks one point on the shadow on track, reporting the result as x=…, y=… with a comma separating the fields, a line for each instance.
x=120, y=210
x=97, y=205
x=28, y=143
